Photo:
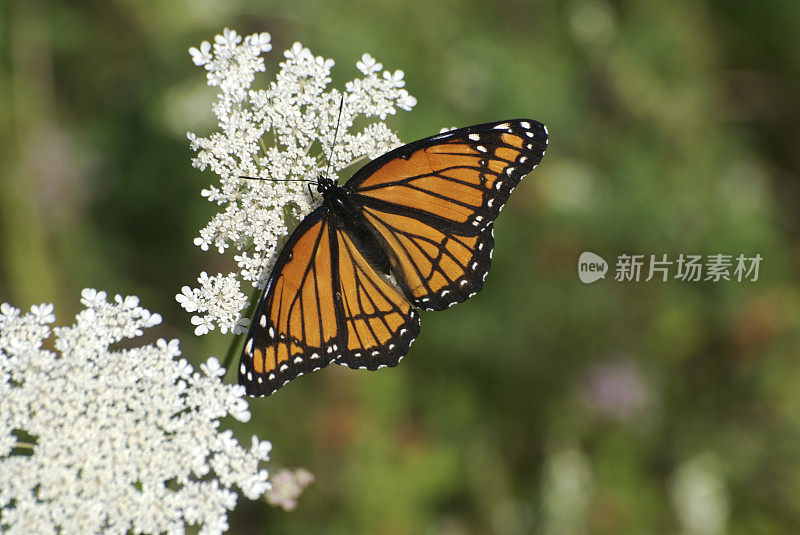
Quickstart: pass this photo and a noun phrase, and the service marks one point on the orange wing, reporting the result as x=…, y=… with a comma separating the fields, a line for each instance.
x=433, y=203
x=380, y=324
x=459, y=179
x=435, y=268
x=295, y=328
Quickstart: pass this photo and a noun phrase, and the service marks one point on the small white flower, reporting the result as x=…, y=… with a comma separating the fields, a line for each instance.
x=43, y=313
x=187, y=300
x=228, y=39
x=203, y=325
x=90, y=297
x=368, y=65
x=282, y=132
x=212, y=368
x=122, y=439
x=202, y=55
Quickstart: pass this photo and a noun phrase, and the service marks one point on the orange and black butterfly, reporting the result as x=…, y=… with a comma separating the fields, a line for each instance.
x=411, y=229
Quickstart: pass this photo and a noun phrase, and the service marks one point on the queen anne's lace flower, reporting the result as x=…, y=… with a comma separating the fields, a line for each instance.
x=283, y=132
x=99, y=439
x=219, y=298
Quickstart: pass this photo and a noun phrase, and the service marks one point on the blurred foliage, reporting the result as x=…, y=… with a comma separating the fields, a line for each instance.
x=673, y=129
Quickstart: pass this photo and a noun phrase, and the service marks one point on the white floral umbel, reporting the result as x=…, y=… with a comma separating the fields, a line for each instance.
x=283, y=132
x=98, y=439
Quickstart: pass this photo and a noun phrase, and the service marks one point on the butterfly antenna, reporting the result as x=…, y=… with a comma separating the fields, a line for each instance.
x=335, y=133
x=276, y=179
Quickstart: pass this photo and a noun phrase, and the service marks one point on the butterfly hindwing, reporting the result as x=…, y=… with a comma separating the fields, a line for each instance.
x=460, y=179
x=380, y=324
x=435, y=268
x=295, y=330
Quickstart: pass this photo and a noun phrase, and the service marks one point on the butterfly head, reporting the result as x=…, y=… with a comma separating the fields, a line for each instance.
x=325, y=185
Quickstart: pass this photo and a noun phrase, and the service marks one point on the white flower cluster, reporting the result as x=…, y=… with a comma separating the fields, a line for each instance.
x=99, y=439
x=218, y=297
x=283, y=136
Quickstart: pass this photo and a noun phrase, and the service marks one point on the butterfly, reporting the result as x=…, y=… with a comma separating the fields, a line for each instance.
x=410, y=230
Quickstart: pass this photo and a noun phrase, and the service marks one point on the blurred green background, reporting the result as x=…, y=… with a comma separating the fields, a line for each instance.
x=543, y=405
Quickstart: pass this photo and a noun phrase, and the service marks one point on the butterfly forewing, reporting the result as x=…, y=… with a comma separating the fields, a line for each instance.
x=380, y=323
x=295, y=329
x=460, y=178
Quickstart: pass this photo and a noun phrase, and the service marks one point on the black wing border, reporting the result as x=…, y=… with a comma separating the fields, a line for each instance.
x=405, y=151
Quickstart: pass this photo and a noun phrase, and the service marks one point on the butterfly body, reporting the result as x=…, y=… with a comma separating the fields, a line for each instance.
x=340, y=207
x=411, y=229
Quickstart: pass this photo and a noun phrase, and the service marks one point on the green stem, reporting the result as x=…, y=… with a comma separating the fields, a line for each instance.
x=27, y=109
